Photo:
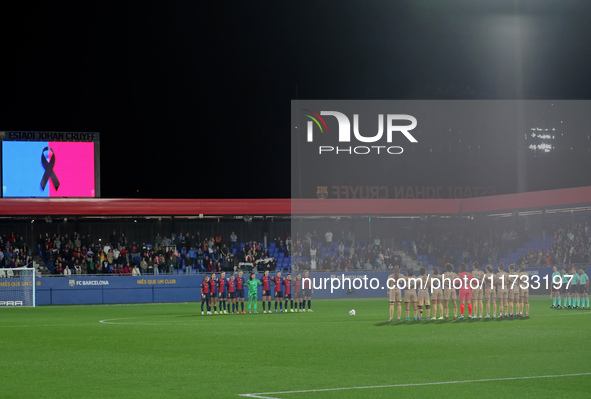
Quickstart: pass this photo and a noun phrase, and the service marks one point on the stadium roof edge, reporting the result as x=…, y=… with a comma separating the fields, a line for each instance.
x=549, y=199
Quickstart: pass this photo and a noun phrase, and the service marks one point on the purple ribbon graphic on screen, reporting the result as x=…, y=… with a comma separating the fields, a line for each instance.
x=48, y=166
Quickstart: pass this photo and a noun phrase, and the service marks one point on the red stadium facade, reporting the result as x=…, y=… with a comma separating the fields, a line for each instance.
x=540, y=200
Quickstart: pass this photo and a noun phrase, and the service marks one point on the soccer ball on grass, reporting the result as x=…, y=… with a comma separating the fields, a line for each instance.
x=352, y=312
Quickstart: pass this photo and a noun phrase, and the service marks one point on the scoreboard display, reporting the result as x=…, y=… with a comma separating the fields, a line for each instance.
x=50, y=164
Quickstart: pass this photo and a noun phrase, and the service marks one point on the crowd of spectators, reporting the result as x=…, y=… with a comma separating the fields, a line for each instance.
x=340, y=252
x=457, y=246
x=183, y=253
x=571, y=245
x=329, y=252
x=189, y=252
x=13, y=253
x=254, y=253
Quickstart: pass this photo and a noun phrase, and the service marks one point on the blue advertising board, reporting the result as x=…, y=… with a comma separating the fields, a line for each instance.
x=74, y=290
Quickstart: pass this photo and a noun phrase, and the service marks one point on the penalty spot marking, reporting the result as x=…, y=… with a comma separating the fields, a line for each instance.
x=265, y=395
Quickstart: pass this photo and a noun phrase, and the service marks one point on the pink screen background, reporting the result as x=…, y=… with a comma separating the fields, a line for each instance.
x=74, y=167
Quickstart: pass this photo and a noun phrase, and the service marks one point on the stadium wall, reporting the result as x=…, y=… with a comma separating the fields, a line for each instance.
x=78, y=290
x=179, y=207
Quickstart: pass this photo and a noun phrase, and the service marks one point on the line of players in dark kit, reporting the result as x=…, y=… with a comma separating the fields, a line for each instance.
x=289, y=295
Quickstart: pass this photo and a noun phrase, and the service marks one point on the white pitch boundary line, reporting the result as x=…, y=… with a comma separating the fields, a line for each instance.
x=264, y=395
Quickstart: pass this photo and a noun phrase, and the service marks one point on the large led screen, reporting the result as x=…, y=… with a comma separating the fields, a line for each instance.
x=48, y=169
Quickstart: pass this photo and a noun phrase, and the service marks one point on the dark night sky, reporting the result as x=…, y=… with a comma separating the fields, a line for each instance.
x=192, y=100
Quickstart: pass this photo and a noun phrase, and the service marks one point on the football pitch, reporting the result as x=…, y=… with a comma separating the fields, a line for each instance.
x=172, y=351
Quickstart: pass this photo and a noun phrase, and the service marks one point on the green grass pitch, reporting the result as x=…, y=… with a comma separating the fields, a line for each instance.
x=172, y=351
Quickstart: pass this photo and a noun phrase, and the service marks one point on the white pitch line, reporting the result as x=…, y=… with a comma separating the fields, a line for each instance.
x=264, y=395
x=110, y=321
